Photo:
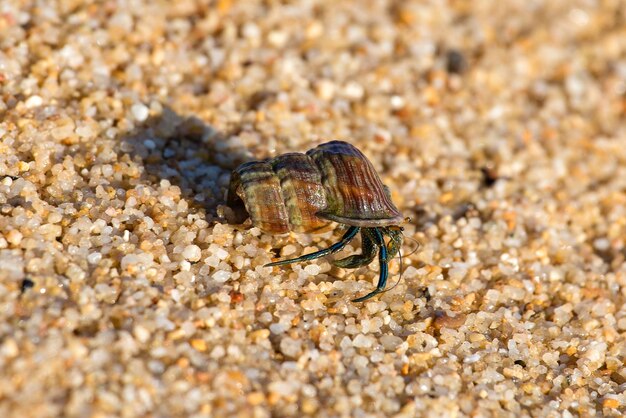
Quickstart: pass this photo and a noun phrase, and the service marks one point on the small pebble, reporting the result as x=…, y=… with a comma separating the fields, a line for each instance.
x=456, y=62
x=26, y=284
x=14, y=237
x=140, y=112
x=312, y=269
x=192, y=253
x=221, y=276
x=33, y=101
x=361, y=341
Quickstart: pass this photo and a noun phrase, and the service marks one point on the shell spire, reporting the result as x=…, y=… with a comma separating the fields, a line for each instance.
x=355, y=194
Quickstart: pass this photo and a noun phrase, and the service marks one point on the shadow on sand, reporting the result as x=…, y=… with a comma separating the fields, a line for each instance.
x=189, y=154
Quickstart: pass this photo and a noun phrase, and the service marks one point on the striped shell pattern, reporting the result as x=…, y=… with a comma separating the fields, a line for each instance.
x=303, y=192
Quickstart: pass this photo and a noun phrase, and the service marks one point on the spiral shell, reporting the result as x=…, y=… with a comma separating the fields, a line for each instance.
x=303, y=192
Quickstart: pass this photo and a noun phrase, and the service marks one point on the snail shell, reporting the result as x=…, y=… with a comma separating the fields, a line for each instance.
x=303, y=192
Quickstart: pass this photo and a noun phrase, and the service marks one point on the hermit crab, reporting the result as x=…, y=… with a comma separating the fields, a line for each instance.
x=305, y=192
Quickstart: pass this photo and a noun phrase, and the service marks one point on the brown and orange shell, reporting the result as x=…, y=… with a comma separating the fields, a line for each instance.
x=303, y=192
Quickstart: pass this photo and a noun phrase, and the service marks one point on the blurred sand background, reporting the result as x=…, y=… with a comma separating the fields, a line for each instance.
x=498, y=125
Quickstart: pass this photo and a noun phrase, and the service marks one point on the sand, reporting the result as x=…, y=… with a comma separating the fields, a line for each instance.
x=498, y=126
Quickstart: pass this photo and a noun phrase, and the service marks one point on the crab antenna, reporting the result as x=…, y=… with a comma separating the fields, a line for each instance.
x=417, y=245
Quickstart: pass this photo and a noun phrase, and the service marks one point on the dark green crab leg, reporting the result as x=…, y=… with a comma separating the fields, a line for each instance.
x=368, y=252
x=384, y=268
x=347, y=237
